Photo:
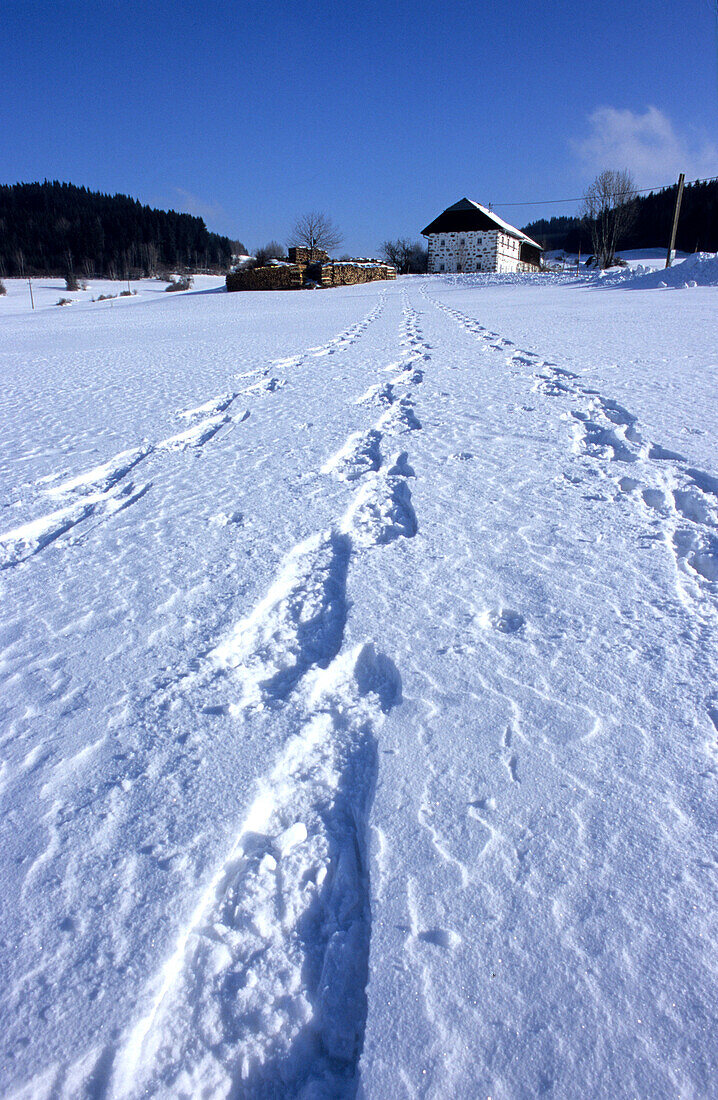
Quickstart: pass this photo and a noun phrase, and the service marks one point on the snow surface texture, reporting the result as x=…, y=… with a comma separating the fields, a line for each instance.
x=699, y=269
x=360, y=713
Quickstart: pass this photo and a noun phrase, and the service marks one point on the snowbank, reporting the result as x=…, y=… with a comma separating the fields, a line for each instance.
x=699, y=269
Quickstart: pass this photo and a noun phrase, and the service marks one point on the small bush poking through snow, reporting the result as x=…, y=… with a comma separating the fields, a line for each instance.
x=181, y=282
x=3, y=288
x=71, y=282
x=64, y=302
x=127, y=293
x=104, y=297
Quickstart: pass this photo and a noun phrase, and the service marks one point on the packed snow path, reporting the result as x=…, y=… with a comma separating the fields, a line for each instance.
x=360, y=711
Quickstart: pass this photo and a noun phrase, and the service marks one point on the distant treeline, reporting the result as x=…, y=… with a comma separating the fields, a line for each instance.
x=697, y=226
x=57, y=228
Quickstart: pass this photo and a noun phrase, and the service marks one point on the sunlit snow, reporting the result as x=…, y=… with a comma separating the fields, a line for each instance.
x=359, y=699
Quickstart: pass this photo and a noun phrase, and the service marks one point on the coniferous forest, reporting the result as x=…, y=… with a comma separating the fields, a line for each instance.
x=697, y=225
x=55, y=228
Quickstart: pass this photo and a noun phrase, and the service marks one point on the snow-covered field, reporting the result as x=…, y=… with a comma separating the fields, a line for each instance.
x=359, y=701
x=636, y=259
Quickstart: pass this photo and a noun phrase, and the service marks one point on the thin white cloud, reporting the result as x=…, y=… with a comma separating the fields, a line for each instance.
x=212, y=213
x=645, y=143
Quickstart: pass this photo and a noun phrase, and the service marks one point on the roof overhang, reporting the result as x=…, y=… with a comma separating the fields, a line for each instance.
x=467, y=216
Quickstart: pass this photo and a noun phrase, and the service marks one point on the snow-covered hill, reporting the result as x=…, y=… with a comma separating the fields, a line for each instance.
x=360, y=713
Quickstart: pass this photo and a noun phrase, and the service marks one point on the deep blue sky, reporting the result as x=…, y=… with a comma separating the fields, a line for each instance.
x=251, y=112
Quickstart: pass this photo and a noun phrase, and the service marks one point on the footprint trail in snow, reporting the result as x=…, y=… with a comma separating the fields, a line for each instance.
x=277, y=949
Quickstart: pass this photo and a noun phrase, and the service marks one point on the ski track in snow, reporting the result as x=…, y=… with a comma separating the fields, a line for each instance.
x=679, y=501
x=103, y=491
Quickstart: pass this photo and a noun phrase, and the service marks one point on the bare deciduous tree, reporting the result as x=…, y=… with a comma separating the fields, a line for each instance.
x=71, y=282
x=406, y=256
x=610, y=210
x=390, y=252
x=273, y=250
x=313, y=231
x=150, y=256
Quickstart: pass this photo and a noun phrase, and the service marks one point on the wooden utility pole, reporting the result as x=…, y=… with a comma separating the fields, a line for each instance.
x=32, y=300
x=676, y=212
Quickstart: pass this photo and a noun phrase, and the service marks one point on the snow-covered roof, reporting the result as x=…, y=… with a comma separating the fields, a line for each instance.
x=466, y=215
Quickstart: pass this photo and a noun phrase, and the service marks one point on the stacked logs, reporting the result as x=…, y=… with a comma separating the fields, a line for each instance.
x=349, y=272
x=299, y=272
x=272, y=277
x=299, y=255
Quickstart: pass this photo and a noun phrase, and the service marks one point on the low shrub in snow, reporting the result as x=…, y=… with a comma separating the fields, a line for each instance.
x=181, y=282
x=3, y=288
x=64, y=302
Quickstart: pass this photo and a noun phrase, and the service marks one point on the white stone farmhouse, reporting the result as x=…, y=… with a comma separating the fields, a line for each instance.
x=469, y=237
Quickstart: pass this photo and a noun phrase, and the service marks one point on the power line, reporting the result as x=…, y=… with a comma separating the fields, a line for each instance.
x=642, y=191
